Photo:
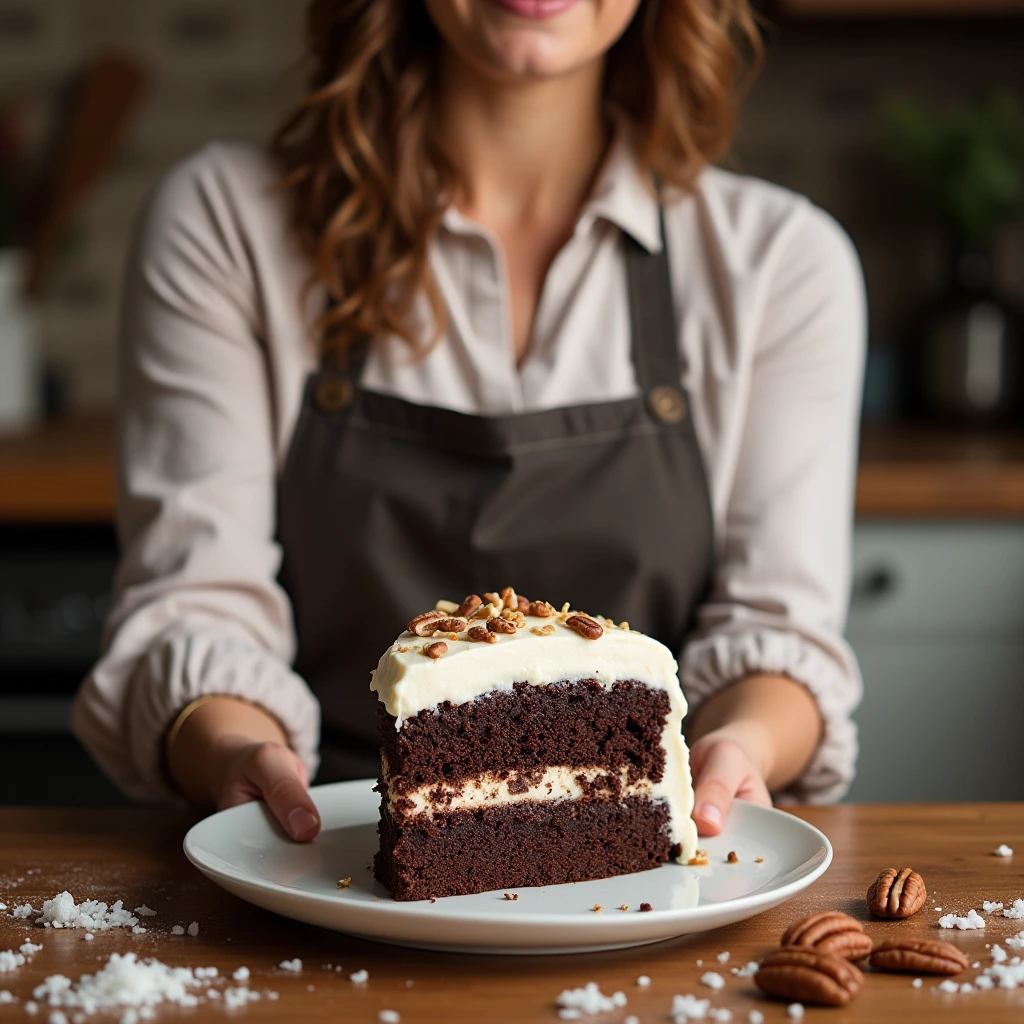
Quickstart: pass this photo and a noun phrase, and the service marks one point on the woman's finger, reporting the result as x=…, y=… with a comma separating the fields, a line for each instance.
x=722, y=769
x=280, y=778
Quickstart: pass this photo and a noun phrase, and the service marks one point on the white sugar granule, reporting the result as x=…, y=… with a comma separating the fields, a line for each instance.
x=291, y=965
x=63, y=912
x=1016, y=912
x=193, y=929
x=748, y=970
x=22, y=912
x=950, y=987
x=588, y=1000
x=88, y=936
x=795, y=1011
x=144, y=911
x=242, y=974
x=138, y=930
x=965, y=988
x=999, y=954
x=723, y=957
x=972, y=920
x=56, y=1018
x=360, y=977
x=1002, y=850
x=10, y=961
x=3, y=906
x=1004, y=975
x=687, y=1008
x=31, y=1008
x=643, y=981
x=236, y=998
x=631, y=1020
x=755, y=1017
x=713, y=980
x=1016, y=942
x=938, y=910
x=205, y=973
x=721, y=1015
x=6, y=998
x=700, y=963
x=177, y=930
x=984, y=982
x=975, y=965
x=917, y=983
x=990, y=908
x=389, y=1017
x=28, y=948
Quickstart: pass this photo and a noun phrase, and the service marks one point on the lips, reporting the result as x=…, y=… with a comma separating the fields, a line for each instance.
x=536, y=9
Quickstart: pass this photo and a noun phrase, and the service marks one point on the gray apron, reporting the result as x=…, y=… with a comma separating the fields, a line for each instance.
x=384, y=506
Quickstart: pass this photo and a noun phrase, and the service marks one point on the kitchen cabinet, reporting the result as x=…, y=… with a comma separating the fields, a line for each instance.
x=937, y=622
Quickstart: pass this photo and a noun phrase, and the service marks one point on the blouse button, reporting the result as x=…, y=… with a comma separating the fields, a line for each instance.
x=667, y=405
x=333, y=393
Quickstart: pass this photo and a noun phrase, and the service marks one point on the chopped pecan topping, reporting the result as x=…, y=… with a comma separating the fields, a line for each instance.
x=469, y=605
x=344, y=883
x=732, y=858
x=480, y=635
x=509, y=598
x=500, y=625
x=644, y=907
x=448, y=607
x=492, y=598
x=524, y=604
x=699, y=859
x=541, y=609
x=451, y=625
x=585, y=626
x=425, y=624
x=436, y=650
x=545, y=630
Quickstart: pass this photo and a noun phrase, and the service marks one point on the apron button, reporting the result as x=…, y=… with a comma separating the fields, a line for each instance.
x=333, y=393
x=667, y=405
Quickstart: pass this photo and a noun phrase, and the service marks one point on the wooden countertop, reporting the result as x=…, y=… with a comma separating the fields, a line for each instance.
x=66, y=472
x=136, y=855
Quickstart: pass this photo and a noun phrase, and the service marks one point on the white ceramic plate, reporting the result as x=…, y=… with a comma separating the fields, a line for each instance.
x=242, y=850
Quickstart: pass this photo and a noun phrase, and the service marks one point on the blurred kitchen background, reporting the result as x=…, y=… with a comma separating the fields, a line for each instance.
x=903, y=118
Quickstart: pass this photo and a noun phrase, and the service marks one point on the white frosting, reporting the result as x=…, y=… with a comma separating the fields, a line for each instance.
x=407, y=682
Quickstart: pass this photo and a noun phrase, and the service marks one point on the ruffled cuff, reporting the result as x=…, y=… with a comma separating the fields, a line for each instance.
x=127, y=742
x=711, y=663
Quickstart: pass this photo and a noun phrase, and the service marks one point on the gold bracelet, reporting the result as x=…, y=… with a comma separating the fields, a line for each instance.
x=172, y=733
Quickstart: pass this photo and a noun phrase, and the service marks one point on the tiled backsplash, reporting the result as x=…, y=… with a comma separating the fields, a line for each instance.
x=229, y=68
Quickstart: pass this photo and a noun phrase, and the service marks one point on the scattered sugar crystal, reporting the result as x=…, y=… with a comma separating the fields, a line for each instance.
x=643, y=981
x=723, y=957
x=755, y=1017
x=272, y=996
x=206, y=973
x=177, y=930
x=713, y=980
x=138, y=930
x=310, y=988
x=722, y=1015
x=1015, y=942
x=938, y=910
x=700, y=963
x=687, y=1008
x=212, y=993
x=999, y=954
x=10, y=961
x=1002, y=850
x=93, y=915
x=3, y=906
x=965, y=988
x=570, y=1013
x=78, y=1018
x=795, y=1011
x=242, y=974
x=948, y=986
x=291, y=965
x=990, y=908
x=748, y=970
x=972, y=920
x=144, y=911
x=360, y=977
x=631, y=1020
x=917, y=983
x=588, y=1000
x=975, y=965
x=31, y=1008
x=22, y=912
x=6, y=997
x=28, y=948
x=56, y=1018
x=1016, y=912
x=389, y=1017
x=984, y=981
x=236, y=998
x=88, y=936
x=1005, y=975
x=193, y=929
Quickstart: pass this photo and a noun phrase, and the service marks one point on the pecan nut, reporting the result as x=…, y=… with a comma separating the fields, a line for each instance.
x=470, y=603
x=896, y=894
x=541, y=609
x=509, y=598
x=500, y=625
x=480, y=635
x=585, y=626
x=830, y=932
x=523, y=604
x=452, y=625
x=807, y=976
x=425, y=624
x=435, y=651
x=918, y=956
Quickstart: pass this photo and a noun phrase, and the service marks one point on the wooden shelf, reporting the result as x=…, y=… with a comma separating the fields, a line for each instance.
x=900, y=8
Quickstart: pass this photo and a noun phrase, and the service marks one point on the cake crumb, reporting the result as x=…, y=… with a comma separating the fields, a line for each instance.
x=623, y=906
x=344, y=883
x=759, y=860
x=1002, y=850
x=700, y=859
x=644, y=907
x=511, y=895
x=643, y=981
x=732, y=858
x=359, y=978
x=597, y=908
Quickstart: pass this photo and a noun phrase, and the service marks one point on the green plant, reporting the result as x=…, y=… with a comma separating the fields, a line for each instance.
x=965, y=165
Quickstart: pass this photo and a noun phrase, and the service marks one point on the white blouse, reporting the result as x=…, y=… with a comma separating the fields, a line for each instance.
x=216, y=344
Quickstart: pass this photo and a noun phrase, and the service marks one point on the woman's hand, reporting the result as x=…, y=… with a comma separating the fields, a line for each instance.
x=229, y=752
x=723, y=771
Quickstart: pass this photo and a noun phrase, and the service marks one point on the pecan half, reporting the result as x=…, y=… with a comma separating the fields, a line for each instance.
x=830, y=932
x=918, y=956
x=500, y=625
x=509, y=598
x=436, y=650
x=808, y=976
x=470, y=603
x=523, y=604
x=425, y=624
x=896, y=894
x=452, y=625
x=481, y=635
x=541, y=609
x=585, y=626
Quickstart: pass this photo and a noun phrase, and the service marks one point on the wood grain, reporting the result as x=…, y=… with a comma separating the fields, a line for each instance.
x=136, y=854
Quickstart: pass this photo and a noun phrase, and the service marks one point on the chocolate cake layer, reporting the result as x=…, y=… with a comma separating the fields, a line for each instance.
x=528, y=844
x=572, y=724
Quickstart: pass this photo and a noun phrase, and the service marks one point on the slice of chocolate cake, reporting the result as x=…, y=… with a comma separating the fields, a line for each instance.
x=524, y=746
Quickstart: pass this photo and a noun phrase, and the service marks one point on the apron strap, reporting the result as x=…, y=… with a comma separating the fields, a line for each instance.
x=652, y=322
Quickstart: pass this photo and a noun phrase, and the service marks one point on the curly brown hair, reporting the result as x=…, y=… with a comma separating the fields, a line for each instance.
x=369, y=183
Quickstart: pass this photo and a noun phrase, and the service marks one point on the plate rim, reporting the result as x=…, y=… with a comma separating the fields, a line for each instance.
x=608, y=925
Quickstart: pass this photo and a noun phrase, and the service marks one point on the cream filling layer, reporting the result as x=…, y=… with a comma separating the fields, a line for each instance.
x=407, y=682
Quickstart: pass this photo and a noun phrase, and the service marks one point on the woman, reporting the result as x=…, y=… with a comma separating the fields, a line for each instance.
x=546, y=345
